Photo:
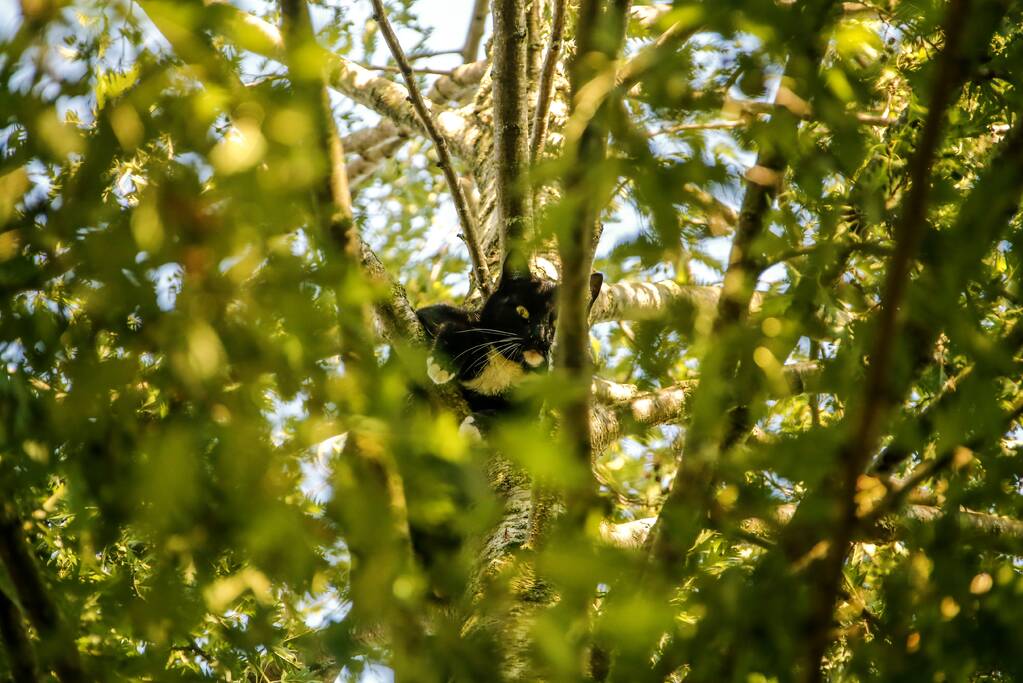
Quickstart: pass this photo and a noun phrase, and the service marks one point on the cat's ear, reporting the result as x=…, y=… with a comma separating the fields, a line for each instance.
x=515, y=267
x=596, y=282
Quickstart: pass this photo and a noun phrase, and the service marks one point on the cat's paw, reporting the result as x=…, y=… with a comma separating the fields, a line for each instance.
x=469, y=431
x=437, y=373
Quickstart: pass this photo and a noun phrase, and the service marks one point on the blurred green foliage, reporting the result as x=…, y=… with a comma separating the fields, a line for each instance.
x=172, y=388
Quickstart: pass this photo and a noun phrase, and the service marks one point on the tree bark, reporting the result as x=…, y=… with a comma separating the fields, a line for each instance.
x=511, y=122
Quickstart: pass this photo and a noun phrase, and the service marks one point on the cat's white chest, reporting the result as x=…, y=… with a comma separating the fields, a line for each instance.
x=499, y=375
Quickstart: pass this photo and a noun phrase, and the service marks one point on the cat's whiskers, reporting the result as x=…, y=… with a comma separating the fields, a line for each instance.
x=477, y=346
x=488, y=330
x=509, y=344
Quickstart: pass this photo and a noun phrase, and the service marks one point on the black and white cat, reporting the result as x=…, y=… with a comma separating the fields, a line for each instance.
x=491, y=350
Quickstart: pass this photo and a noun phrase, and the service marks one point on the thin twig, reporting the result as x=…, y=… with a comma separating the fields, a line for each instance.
x=897, y=451
x=396, y=69
x=433, y=53
x=798, y=108
x=444, y=156
x=544, y=90
x=815, y=398
x=709, y=125
x=930, y=468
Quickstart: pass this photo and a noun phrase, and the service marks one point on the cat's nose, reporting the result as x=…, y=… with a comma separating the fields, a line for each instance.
x=533, y=358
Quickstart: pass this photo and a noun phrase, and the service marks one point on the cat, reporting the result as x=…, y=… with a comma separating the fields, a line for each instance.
x=492, y=350
x=488, y=352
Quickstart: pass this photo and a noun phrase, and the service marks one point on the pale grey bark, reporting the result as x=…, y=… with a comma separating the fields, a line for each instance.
x=628, y=300
x=459, y=84
x=622, y=405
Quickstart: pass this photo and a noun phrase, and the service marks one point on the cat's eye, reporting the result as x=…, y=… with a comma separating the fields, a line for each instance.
x=522, y=311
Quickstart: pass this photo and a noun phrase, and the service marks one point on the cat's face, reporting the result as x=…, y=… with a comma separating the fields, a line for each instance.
x=521, y=316
x=522, y=313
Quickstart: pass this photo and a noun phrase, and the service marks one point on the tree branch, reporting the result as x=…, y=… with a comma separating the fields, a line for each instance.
x=637, y=66
x=546, y=85
x=339, y=225
x=797, y=106
x=365, y=139
x=482, y=274
x=624, y=404
x=685, y=509
x=511, y=123
x=477, y=24
x=455, y=85
x=640, y=64
x=397, y=69
x=599, y=38
x=627, y=300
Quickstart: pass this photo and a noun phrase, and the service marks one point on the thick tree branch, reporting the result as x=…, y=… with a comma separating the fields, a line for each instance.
x=535, y=30
x=469, y=231
x=627, y=300
x=365, y=139
x=361, y=169
x=608, y=423
x=56, y=638
x=624, y=404
x=511, y=122
x=455, y=86
x=740, y=276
